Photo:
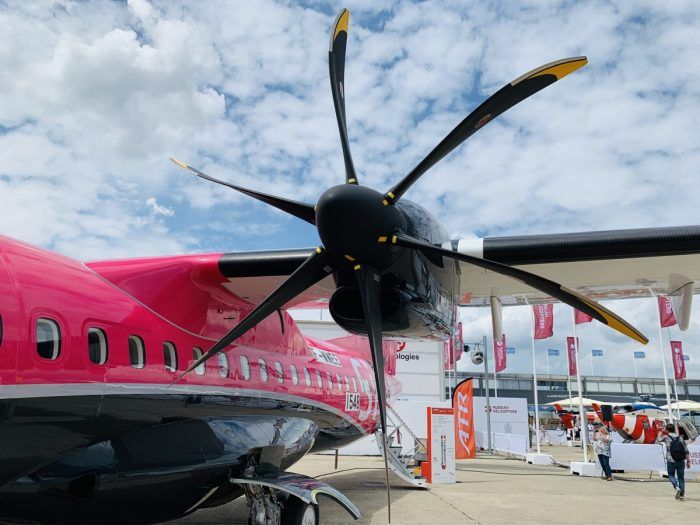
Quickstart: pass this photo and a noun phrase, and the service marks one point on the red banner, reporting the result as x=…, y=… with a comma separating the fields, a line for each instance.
x=571, y=352
x=460, y=343
x=678, y=361
x=499, y=354
x=580, y=317
x=544, y=320
x=668, y=318
x=463, y=404
x=448, y=354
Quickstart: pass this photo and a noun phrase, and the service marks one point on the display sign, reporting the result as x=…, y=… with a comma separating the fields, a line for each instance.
x=463, y=405
x=441, y=445
x=508, y=415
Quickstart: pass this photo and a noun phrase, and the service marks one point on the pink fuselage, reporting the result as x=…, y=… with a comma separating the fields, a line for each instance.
x=51, y=409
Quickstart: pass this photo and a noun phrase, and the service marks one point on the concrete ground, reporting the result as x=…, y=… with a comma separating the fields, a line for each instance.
x=490, y=490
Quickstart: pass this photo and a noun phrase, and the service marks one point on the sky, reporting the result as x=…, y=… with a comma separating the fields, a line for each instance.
x=96, y=95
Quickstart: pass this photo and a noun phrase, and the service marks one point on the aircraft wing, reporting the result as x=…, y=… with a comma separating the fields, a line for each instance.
x=615, y=264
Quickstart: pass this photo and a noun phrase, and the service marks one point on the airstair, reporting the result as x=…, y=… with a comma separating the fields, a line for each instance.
x=404, y=465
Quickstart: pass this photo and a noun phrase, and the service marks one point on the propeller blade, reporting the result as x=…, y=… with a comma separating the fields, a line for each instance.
x=336, y=66
x=298, y=209
x=369, y=283
x=504, y=99
x=315, y=268
x=556, y=290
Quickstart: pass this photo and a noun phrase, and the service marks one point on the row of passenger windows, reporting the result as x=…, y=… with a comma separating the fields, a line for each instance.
x=48, y=346
x=340, y=381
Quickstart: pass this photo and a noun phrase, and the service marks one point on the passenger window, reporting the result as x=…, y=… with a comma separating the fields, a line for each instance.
x=170, y=356
x=307, y=376
x=319, y=379
x=222, y=360
x=48, y=338
x=339, y=381
x=280, y=372
x=263, y=370
x=347, y=382
x=137, y=352
x=197, y=354
x=97, y=346
x=354, y=384
x=245, y=367
x=295, y=375
x=329, y=381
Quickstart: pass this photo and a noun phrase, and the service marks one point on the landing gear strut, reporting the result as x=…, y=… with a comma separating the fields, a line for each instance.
x=272, y=507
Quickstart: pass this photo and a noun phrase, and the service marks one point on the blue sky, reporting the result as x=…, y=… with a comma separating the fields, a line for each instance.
x=97, y=95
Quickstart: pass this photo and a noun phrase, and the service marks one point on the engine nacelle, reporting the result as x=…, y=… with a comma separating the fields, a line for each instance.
x=346, y=309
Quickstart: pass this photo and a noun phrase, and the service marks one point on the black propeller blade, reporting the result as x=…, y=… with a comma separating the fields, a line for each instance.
x=369, y=283
x=315, y=268
x=578, y=301
x=504, y=99
x=336, y=66
x=298, y=209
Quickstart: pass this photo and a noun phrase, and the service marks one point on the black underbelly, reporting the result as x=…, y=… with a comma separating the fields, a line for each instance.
x=143, y=458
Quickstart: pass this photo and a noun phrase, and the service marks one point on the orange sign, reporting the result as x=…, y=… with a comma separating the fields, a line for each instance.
x=463, y=404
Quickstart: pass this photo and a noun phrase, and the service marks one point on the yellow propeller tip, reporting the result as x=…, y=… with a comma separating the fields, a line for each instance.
x=179, y=162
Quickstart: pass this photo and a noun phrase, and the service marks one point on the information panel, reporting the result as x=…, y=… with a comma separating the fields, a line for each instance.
x=441, y=445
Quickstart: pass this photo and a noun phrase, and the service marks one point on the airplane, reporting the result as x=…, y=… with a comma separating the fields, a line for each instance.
x=141, y=390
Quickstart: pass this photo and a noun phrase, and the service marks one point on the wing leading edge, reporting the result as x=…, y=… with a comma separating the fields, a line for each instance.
x=616, y=264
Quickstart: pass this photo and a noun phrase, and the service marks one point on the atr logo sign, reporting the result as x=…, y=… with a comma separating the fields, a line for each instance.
x=324, y=356
x=408, y=357
x=352, y=402
x=463, y=405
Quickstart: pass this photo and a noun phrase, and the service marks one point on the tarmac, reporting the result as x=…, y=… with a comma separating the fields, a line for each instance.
x=490, y=490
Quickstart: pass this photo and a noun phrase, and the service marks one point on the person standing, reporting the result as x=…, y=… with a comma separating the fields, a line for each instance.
x=602, y=448
x=677, y=458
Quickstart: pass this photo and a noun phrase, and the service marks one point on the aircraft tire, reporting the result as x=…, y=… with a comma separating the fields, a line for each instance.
x=298, y=512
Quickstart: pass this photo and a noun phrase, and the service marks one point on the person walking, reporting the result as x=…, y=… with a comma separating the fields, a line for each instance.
x=677, y=458
x=602, y=448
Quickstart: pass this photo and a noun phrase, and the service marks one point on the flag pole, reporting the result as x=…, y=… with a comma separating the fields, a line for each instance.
x=534, y=383
x=634, y=361
x=663, y=357
x=581, y=409
x=547, y=356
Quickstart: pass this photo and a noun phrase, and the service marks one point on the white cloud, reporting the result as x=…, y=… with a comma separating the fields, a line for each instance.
x=97, y=95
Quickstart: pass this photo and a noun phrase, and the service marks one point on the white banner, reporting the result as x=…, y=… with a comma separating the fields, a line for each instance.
x=508, y=415
x=502, y=442
x=631, y=456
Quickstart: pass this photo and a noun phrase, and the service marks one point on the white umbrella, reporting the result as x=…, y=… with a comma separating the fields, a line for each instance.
x=574, y=401
x=691, y=406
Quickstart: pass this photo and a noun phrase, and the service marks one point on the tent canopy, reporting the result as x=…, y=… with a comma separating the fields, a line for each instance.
x=687, y=404
x=574, y=401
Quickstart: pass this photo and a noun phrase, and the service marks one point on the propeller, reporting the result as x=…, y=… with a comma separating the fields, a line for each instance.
x=504, y=99
x=361, y=230
x=336, y=68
